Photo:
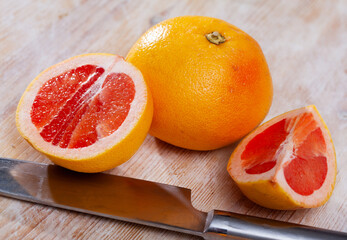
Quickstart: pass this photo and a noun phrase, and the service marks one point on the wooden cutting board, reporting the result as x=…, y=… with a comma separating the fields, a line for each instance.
x=305, y=43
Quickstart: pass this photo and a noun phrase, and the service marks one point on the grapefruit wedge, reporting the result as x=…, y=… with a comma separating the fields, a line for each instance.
x=287, y=163
x=89, y=113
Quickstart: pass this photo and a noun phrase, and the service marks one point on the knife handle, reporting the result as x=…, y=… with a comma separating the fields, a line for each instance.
x=227, y=225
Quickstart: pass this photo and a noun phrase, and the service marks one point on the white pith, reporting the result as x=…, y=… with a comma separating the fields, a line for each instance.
x=284, y=155
x=111, y=63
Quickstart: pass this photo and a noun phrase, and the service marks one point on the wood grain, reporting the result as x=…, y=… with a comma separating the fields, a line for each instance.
x=305, y=46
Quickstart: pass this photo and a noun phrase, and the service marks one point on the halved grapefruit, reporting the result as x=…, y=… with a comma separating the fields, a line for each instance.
x=288, y=162
x=89, y=113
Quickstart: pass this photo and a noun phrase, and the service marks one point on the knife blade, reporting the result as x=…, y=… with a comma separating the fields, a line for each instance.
x=139, y=201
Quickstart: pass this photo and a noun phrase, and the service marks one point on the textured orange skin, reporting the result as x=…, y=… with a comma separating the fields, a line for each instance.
x=205, y=96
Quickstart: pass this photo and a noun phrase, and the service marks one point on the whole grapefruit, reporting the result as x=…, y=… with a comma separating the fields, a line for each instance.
x=209, y=80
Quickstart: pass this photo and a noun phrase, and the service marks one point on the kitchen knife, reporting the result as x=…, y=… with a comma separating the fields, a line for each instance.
x=138, y=201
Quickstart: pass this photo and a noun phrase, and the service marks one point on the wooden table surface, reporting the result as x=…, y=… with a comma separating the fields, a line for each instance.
x=305, y=44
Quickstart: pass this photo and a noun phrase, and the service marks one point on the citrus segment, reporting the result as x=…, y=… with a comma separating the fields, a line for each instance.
x=46, y=105
x=288, y=162
x=305, y=176
x=83, y=109
x=62, y=118
x=90, y=112
x=258, y=156
x=106, y=112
